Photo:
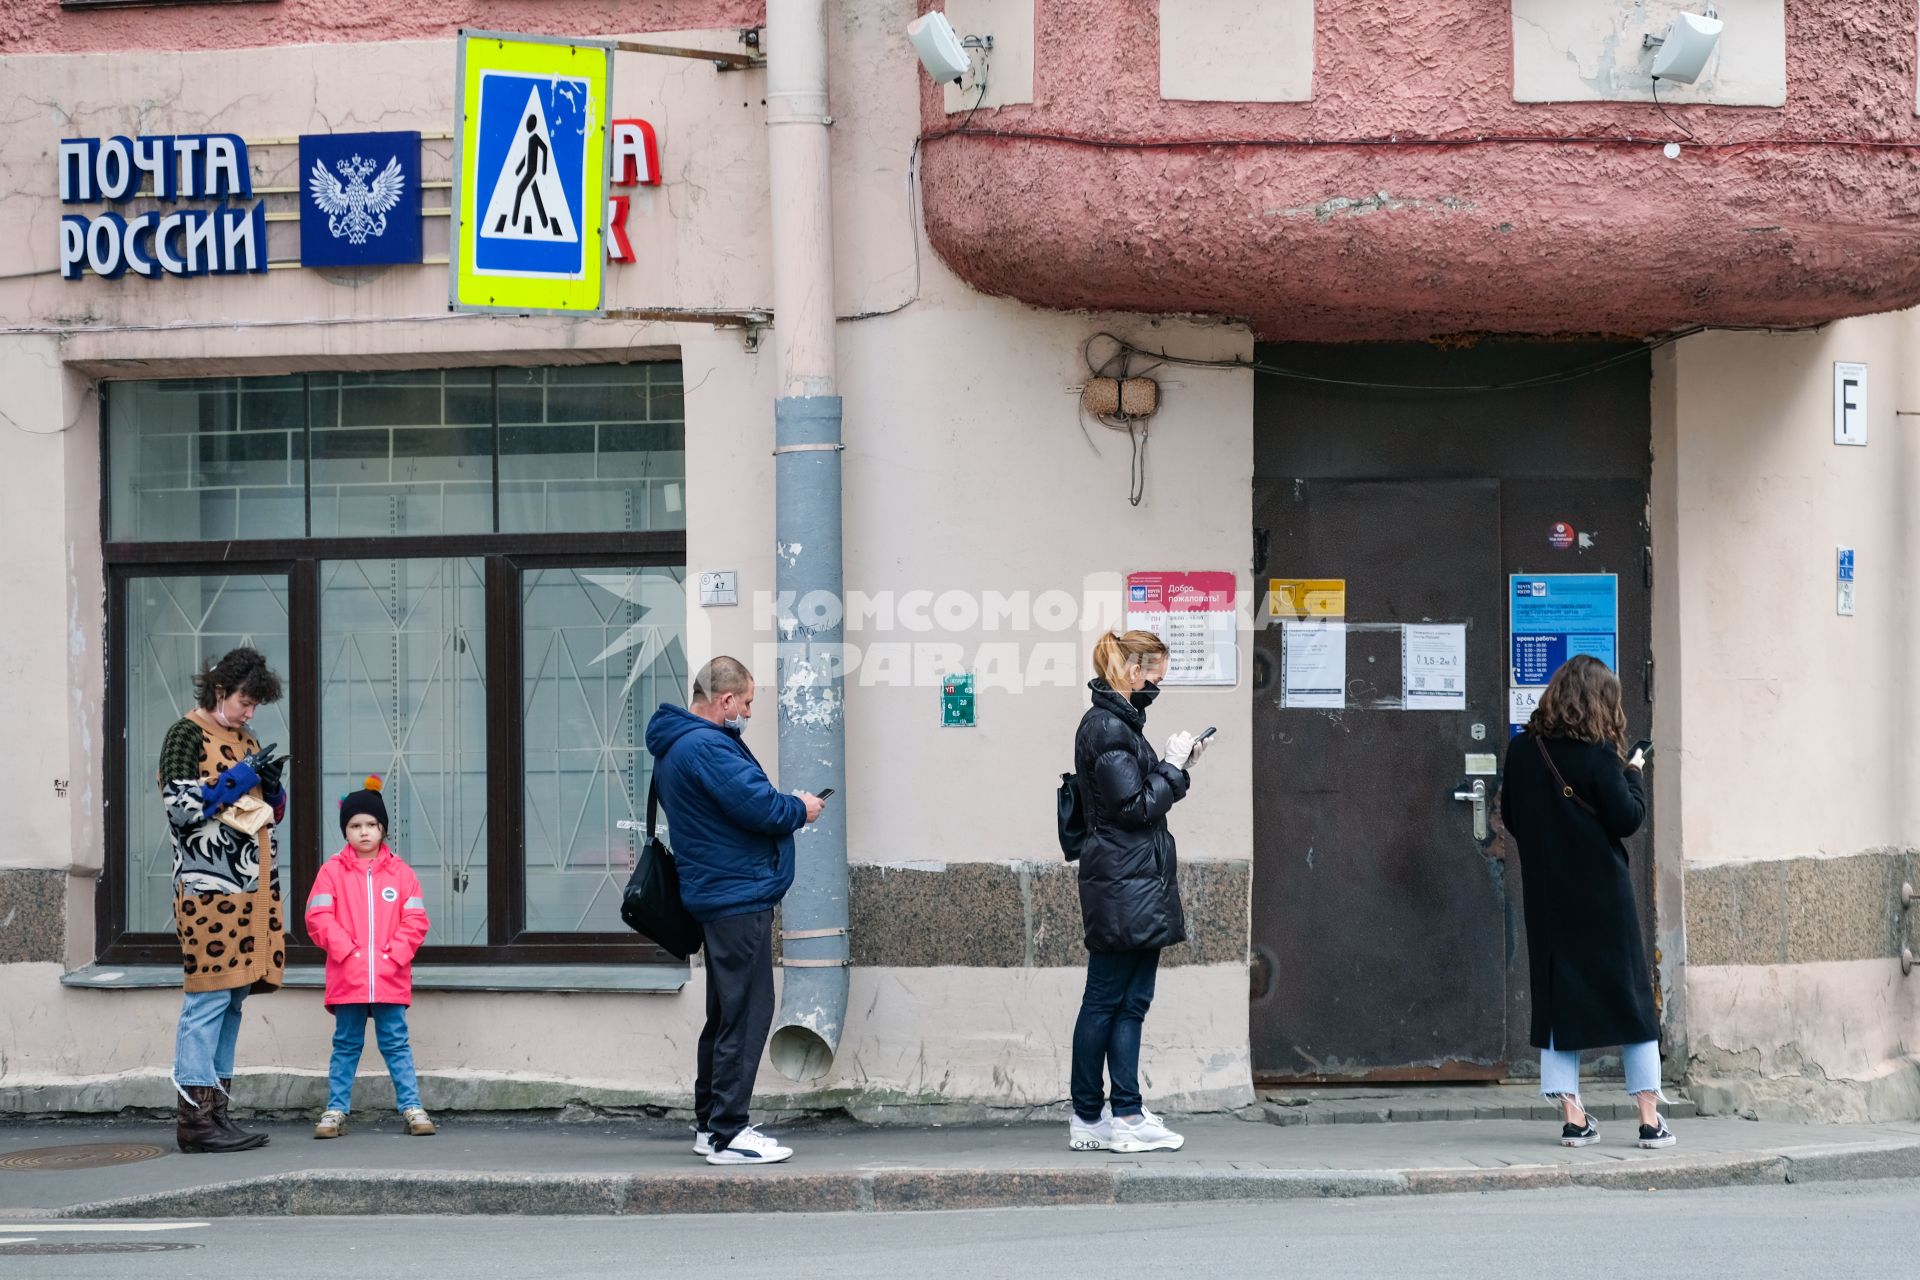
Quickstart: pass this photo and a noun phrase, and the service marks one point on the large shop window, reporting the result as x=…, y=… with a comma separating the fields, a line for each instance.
x=473, y=583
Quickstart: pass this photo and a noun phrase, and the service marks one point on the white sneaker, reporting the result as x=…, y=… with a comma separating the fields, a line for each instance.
x=1143, y=1132
x=702, y=1141
x=1097, y=1136
x=750, y=1146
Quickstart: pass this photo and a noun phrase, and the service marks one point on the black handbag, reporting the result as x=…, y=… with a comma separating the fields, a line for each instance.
x=651, y=903
x=1070, y=815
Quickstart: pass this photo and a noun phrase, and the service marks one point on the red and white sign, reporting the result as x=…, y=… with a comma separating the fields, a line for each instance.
x=636, y=163
x=1194, y=614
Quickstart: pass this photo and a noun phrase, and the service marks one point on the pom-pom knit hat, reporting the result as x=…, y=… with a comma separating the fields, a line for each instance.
x=368, y=801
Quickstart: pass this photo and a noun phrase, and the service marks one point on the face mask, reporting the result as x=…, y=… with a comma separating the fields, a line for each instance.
x=738, y=723
x=220, y=716
x=1142, y=699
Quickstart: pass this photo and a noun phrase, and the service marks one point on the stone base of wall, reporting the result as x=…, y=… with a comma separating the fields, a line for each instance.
x=33, y=915
x=1796, y=1006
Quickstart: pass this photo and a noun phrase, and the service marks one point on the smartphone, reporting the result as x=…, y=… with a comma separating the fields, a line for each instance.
x=1210, y=731
x=825, y=795
x=1643, y=749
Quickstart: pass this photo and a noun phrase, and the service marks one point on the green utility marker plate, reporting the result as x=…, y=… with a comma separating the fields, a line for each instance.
x=956, y=702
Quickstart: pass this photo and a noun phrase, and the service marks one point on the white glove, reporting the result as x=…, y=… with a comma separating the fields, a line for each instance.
x=1200, y=746
x=1179, y=749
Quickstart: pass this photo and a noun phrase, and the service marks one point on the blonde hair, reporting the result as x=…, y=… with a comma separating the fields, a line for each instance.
x=1113, y=654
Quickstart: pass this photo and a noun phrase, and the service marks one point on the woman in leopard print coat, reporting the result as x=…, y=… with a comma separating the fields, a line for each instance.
x=223, y=797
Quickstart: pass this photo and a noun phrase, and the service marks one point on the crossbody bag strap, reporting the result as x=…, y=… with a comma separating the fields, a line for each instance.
x=1565, y=790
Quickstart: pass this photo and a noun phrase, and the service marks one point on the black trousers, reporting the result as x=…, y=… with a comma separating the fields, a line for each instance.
x=739, y=1014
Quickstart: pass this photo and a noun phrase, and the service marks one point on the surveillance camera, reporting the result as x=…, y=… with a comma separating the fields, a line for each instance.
x=939, y=47
x=1689, y=42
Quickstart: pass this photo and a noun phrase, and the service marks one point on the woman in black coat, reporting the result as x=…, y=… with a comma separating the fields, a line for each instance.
x=1129, y=898
x=1570, y=796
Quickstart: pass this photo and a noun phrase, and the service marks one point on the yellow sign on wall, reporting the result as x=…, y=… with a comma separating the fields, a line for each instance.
x=530, y=174
x=1307, y=597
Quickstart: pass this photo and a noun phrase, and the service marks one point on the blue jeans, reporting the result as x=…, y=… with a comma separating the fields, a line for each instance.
x=1560, y=1070
x=209, y=1030
x=1107, y=1032
x=350, y=1037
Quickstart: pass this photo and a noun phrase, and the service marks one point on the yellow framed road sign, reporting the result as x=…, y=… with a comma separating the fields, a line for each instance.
x=530, y=174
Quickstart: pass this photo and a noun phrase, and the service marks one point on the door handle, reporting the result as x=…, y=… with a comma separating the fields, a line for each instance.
x=1476, y=794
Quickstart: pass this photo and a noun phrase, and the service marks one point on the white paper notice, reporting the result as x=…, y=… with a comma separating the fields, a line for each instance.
x=1433, y=666
x=1521, y=700
x=1313, y=664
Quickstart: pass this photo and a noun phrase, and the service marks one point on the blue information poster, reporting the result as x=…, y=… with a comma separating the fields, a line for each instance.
x=1552, y=617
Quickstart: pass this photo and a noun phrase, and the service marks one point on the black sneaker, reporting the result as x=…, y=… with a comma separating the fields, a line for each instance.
x=1584, y=1134
x=1656, y=1134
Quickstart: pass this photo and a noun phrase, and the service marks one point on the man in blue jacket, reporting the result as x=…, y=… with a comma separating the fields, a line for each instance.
x=732, y=837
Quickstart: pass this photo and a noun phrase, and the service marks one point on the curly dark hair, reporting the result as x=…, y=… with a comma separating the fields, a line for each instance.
x=1583, y=703
x=242, y=670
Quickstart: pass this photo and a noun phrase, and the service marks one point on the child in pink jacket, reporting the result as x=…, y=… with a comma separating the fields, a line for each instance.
x=367, y=912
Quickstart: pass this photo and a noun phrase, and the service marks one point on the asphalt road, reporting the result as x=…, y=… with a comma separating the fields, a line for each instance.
x=1827, y=1230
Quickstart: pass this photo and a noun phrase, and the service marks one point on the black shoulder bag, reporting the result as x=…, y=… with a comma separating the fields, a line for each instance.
x=651, y=903
x=1070, y=816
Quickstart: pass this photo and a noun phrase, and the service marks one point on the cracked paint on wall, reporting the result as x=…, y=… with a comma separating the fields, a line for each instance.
x=1495, y=236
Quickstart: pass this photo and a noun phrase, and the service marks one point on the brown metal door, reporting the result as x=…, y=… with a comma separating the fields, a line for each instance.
x=1381, y=925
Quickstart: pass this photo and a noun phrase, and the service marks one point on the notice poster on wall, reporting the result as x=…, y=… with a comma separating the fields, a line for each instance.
x=1551, y=618
x=1433, y=666
x=1313, y=665
x=1193, y=613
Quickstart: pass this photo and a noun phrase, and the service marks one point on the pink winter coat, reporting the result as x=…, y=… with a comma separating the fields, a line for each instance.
x=369, y=917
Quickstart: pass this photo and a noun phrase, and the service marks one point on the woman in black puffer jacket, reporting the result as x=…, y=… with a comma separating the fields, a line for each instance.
x=1129, y=897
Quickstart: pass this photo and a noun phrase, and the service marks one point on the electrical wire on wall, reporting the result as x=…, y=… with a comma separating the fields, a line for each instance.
x=1123, y=348
x=1118, y=368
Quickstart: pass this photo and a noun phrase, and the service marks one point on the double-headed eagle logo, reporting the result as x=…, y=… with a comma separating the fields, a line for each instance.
x=354, y=209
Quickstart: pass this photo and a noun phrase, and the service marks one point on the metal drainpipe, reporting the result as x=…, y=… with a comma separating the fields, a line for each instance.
x=807, y=575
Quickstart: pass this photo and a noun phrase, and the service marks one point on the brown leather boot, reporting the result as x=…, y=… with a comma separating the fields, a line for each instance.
x=225, y=1122
x=194, y=1130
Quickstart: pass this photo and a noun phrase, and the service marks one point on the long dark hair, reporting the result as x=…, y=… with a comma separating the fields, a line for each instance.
x=242, y=670
x=1582, y=703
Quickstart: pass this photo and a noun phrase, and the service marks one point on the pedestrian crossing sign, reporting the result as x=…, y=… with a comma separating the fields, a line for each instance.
x=530, y=176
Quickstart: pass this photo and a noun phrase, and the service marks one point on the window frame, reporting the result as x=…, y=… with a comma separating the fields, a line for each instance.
x=504, y=558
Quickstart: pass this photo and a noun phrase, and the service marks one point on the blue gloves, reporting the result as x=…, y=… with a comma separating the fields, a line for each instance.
x=229, y=786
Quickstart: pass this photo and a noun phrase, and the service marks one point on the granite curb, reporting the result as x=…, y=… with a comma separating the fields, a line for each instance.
x=343, y=1192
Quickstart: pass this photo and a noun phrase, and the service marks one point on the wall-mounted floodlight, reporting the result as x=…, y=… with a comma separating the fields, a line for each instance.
x=1684, y=50
x=939, y=47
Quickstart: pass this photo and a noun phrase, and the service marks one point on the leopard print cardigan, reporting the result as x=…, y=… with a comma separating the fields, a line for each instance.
x=226, y=905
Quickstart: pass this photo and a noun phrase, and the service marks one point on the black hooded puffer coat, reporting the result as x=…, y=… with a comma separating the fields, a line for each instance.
x=1129, y=891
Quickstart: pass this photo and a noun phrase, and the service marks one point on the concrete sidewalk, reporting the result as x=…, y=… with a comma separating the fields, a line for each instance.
x=641, y=1167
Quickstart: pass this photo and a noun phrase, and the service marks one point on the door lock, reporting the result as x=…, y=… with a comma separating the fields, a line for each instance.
x=1476, y=794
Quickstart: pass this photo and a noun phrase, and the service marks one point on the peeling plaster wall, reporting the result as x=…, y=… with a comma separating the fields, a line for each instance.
x=966, y=470
x=1513, y=237
x=1827, y=1042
